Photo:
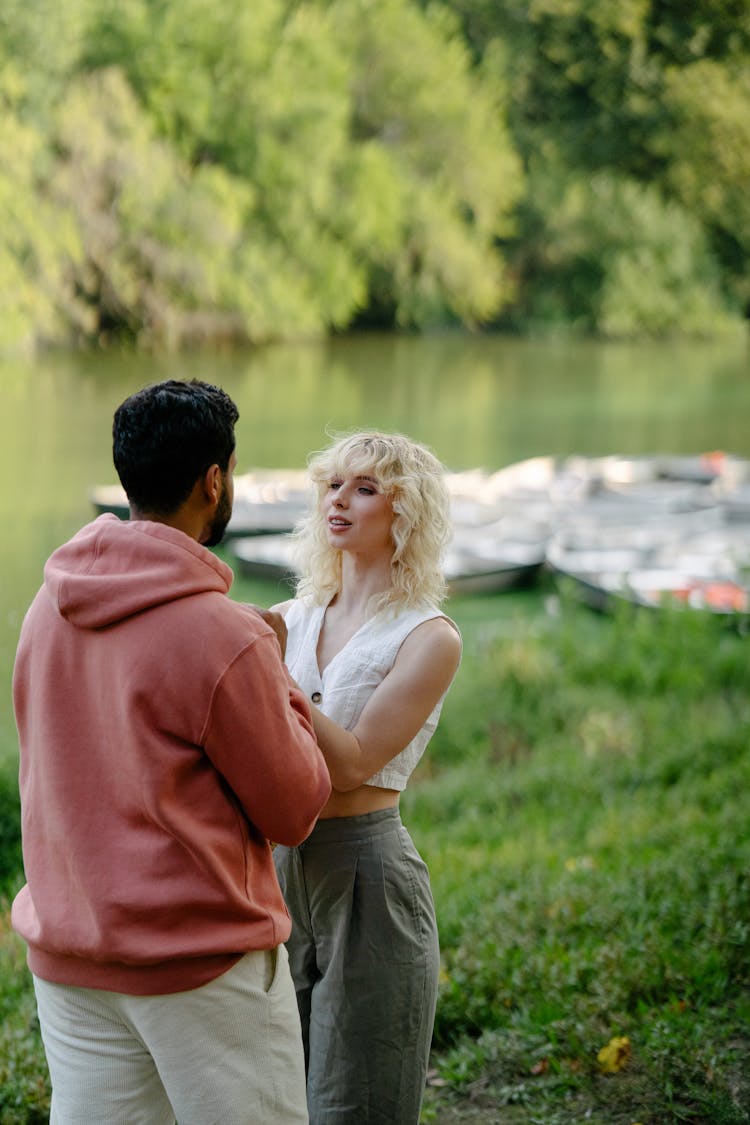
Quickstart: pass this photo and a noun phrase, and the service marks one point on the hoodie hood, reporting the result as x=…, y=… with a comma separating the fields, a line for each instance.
x=112, y=569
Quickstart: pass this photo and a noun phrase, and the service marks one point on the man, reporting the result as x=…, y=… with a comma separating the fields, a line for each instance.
x=162, y=746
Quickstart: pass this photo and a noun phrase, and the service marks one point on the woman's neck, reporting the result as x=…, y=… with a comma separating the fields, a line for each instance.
x=361, y=580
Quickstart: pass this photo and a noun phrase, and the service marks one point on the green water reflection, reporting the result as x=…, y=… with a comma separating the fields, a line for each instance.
x=478, y=401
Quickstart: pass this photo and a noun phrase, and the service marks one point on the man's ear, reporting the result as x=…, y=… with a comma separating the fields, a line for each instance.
x=212, y=483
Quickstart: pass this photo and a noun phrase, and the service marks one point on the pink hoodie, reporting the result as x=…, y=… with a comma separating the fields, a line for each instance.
x=163, y=745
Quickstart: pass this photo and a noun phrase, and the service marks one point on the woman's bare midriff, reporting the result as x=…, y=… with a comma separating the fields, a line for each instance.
x=364, y=799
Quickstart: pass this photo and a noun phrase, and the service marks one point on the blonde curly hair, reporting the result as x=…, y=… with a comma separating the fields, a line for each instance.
x=413, y=479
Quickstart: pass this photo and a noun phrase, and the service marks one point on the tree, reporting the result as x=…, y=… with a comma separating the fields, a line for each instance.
x=39, y=240
x=643, y=92
x=707, y=157
x=380, y=169
x=608, y=255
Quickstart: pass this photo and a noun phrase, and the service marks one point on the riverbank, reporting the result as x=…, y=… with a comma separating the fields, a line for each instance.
x=583, y=811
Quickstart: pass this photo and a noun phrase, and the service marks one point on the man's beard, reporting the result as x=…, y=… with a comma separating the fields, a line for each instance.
x=222, y=516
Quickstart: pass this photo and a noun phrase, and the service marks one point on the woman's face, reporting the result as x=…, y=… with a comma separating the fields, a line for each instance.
x=358, y=514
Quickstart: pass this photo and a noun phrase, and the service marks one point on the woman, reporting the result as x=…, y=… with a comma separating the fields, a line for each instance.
x=368, y=644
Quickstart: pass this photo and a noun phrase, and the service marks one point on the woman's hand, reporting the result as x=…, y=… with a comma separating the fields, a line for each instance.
x=277, y=623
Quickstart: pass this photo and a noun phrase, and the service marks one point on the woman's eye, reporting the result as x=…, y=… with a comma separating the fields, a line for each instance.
x=333, y=485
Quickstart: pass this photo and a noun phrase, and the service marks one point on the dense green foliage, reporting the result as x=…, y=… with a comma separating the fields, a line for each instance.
x=176, y=171
x=652, y=101
x=250, y=171
x=583, y=810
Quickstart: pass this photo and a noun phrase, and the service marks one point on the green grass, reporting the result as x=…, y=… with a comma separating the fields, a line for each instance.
x=584, y=811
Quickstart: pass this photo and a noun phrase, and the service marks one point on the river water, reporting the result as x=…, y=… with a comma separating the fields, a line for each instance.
x=479, y=401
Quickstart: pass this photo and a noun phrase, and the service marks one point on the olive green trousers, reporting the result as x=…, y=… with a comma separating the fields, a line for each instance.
x=364, y=959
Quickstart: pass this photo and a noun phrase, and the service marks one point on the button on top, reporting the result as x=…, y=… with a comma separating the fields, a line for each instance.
x=316, y=697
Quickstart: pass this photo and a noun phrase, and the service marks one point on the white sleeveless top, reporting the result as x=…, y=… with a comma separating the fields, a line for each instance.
x=353, y=674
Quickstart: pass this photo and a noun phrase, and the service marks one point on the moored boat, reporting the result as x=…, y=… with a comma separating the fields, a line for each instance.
x=266, y=501
x=704, y=568
x=660, y=588
x=265, y=556
x=472, y=564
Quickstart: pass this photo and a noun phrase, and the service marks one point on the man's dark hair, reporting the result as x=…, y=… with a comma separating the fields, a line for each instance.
x=166, y=436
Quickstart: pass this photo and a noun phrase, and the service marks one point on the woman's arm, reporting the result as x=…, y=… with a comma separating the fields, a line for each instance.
x=397, y=710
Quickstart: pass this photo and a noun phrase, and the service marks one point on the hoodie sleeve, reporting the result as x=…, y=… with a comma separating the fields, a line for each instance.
x=259, y=736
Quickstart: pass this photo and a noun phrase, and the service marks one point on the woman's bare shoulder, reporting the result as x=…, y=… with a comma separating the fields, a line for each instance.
x=439, y=635
x=440, y=626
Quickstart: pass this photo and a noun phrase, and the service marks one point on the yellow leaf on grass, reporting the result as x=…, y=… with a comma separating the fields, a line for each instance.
x=614, y=1055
